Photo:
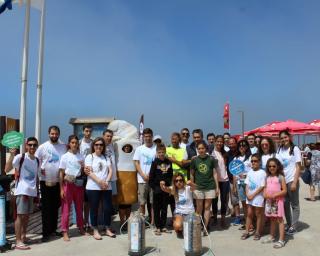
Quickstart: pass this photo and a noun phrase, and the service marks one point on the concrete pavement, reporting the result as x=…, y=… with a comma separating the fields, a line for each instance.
x=225, y=243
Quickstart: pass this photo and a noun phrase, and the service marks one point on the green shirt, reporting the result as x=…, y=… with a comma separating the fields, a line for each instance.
x=203, y=172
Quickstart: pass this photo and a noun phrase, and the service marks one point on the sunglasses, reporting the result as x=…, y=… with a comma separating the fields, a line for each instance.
x=178, y=180
x=242, y=146
x=98, y=145
x=254, y=161
x=272, y=166
x=185, y=133
x=32, y=145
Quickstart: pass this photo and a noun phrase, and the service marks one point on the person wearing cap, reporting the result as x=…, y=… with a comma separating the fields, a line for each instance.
x=157, y=140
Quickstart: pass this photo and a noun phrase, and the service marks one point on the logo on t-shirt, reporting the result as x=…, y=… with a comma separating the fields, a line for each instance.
x=203, y=168
x=163, y=167
x=147, y=159
x=53, y=158
x=30, y=173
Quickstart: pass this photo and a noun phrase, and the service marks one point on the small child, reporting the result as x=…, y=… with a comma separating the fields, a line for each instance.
x=161, y=170
x=255, y=182
x=274, y=194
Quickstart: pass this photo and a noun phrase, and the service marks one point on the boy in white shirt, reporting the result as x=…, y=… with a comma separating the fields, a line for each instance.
x=26, y=171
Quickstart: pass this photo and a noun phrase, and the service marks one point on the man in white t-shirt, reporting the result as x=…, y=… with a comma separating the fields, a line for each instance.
x=185, y=135
x=85, y=149
x=143, y=157
x=26, y=171
x=49, y=154
x=251, y=138
x=86, y=141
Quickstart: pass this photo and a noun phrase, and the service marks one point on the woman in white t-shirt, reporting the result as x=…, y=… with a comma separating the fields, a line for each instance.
x=220, y=155
x=290, y=157
x=98, y=188
x=71, y=185
x=267, y=150
x=182, y=193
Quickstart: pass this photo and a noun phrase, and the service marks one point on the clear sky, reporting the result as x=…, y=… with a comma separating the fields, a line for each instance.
x=176, y=61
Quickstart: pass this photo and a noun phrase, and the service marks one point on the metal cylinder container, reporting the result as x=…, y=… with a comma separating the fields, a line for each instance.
x=192, y=235
x=136, y=235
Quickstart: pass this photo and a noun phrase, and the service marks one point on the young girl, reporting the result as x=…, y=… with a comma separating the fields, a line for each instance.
x=290, y=157
x=182, y=193
x=71, y=185
x=161, y=171
x=255, y=183
x=203, y=174
x=274, y=194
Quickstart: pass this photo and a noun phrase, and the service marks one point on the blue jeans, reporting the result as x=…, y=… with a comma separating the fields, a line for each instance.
x=94, y=198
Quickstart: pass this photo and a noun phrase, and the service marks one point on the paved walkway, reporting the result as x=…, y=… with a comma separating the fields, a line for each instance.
x=225, y=243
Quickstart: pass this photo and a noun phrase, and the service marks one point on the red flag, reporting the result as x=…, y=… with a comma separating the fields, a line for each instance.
x=226, y=116
x=141, y=127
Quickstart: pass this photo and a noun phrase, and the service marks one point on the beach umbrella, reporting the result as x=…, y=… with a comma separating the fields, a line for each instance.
x=315, y=122
x=293, y=126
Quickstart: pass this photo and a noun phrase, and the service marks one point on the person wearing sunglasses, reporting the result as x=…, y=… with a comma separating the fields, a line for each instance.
x=239, y=187
x=26, y=174
x=182, y=193
x=255, y=183
x=274, y=193
x=185, y=135
x=98, y=188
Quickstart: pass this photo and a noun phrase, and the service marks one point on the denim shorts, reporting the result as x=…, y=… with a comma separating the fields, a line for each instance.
x=241, y=188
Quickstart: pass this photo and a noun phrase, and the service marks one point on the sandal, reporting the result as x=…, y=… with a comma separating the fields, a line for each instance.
x=157, y=232
x=22, y=246
x=268, y=240
x=96, y=235
x=279, y=244
x=110, y=233
x=256, y=237
x=245, y=236
x=164, y=230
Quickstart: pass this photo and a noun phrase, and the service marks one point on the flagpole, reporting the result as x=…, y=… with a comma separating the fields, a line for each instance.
x=40, y=74
x=24, y=75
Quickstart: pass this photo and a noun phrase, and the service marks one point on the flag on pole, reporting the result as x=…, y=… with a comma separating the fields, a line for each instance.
x=5, y=4
x=226, y=116
x=141, y=127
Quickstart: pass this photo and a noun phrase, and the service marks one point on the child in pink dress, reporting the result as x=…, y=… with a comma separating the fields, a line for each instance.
x=274, y=194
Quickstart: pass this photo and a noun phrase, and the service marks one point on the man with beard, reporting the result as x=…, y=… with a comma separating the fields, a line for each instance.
x=49, y=154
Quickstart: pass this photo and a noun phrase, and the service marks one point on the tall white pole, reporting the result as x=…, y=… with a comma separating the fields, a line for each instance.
x=24, y=75
x=40, y=74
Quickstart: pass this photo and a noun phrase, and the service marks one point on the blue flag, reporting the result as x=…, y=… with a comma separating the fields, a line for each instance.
x=5, y=4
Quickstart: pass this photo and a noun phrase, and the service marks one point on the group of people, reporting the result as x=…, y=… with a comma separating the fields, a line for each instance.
x=190, y=176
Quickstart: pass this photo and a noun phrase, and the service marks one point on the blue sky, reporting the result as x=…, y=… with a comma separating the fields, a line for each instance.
x=176, y=61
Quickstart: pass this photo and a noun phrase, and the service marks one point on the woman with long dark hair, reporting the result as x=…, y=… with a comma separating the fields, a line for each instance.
x=98, y=188
x=239, y=187
x=71, y=185
x=267, y=150
x=290, y=157
x=223, y=180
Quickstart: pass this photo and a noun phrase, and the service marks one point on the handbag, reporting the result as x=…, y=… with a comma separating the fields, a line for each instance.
x=306, y=177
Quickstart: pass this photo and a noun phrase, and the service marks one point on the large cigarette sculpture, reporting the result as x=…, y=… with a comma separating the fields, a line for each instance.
x=125, y=134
